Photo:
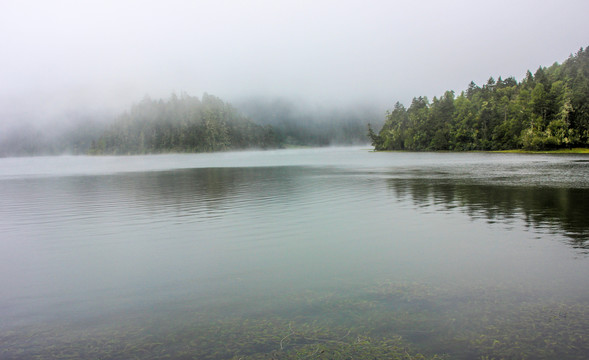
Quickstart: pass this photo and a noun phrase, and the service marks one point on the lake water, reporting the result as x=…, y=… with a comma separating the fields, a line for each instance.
x=295, y=254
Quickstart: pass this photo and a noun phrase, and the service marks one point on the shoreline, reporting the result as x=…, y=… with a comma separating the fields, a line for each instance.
x=512, y=151
x=556, y=151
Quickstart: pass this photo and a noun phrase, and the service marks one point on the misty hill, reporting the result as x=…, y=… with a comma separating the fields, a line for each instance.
x=300, y=124
x=183, y=124
x=72, y=133
x=546, y=110
x=188, y=124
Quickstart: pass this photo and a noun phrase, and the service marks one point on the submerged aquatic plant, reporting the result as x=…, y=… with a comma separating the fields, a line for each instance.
x=384, y=321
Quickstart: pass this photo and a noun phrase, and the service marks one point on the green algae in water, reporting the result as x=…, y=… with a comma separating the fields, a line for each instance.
x=236, y=338
x=384, y=321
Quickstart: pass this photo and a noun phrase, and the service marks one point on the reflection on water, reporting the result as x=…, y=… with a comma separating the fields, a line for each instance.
x=294, y=254
x=561, y=210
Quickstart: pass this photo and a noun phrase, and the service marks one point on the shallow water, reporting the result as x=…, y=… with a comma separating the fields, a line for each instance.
x=438, y=249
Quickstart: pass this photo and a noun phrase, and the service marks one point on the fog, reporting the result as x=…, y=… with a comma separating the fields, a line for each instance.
x=63, y=57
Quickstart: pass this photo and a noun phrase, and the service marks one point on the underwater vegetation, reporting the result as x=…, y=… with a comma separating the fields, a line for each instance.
x=384, y=321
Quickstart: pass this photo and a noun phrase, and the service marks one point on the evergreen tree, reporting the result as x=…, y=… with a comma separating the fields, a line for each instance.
x=182, y=124
x=549, y=109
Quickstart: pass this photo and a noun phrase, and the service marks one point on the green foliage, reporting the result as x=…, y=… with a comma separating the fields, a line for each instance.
x=182, y=124
x=546, y=110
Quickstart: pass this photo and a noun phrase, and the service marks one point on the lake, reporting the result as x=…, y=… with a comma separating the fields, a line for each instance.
x=295, y=254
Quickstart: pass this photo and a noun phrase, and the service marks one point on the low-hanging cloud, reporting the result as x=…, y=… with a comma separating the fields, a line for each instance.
x=97, y=55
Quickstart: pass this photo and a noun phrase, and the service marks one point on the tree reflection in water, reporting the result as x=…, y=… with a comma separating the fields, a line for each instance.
x=557, y=210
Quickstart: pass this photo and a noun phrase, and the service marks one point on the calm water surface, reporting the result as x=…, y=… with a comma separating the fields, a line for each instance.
x=203, y=255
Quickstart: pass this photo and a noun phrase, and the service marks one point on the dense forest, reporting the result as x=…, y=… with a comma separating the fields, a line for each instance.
x=546, y=110
x=182, y=124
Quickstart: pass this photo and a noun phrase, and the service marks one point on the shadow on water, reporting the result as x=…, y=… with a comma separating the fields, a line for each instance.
x=560, y=210
x=198, y=194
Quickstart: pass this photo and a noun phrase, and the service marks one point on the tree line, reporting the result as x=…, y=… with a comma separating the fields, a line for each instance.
x=182, y=124
x=546, y=110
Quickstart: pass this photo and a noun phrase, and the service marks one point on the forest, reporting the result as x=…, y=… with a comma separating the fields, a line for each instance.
x=546, y=110
x=182, y=124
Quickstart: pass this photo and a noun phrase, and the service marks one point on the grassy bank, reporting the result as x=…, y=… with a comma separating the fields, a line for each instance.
x=557, y=151
x=514, y=151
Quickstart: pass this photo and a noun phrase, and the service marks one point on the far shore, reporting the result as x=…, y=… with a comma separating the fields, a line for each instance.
x=555, y=151
x=513, y=151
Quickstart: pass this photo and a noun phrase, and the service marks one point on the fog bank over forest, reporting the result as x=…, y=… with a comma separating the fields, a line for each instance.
x=302, y=123
x=292, y=122
x=72, y=67
x=69, y=134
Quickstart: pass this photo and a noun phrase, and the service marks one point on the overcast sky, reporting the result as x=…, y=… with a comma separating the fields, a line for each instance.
x=64, y=55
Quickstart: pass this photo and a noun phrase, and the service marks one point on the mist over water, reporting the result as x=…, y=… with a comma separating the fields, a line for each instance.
x=98, y=243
